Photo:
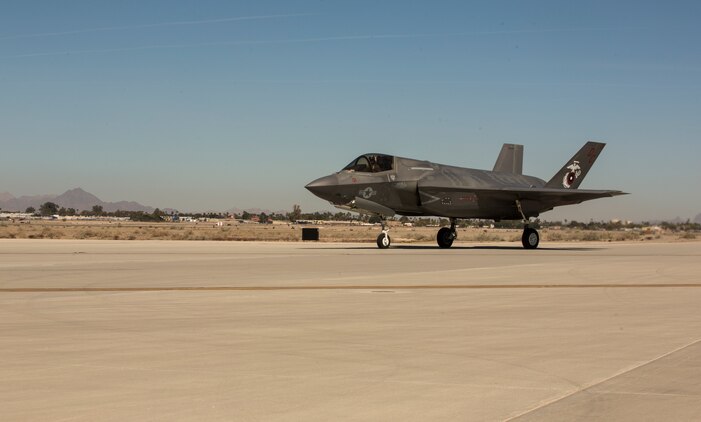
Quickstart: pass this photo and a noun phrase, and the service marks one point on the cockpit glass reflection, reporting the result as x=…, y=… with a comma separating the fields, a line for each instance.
x=371, y=163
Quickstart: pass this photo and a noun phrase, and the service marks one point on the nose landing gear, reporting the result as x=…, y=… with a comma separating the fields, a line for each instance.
x=383, y=240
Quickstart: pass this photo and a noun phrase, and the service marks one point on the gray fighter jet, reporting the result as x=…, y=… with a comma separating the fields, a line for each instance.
x=386, y=185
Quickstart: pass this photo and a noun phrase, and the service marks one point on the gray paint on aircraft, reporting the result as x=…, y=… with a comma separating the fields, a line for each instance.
x=384, y=185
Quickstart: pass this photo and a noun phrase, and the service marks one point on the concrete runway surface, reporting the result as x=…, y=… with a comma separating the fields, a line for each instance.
x=166, y=330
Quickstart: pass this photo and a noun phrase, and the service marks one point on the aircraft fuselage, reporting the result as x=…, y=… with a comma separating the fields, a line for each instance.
x=385, y=185
x=409, y=188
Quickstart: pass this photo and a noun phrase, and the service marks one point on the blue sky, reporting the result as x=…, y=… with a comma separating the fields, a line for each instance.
x=216, y=104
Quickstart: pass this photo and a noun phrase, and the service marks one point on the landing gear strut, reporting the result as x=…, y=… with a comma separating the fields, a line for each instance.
x=446, y=235
x=530, y=237
x=383, y=240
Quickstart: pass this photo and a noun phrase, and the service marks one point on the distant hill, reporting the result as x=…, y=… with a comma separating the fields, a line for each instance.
x=74, y=198
x=6, y=196
x=10, y=203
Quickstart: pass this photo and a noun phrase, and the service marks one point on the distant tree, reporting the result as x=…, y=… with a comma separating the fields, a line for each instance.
x=245, y=215
x=30, y=210
x=62, y=211
x=374, y=219
x=343, y=216
x=97, y=210
x=277, y=216
x=296, y=213
x=70, y=211
x=48, y=208
x=263, y=218
x=323, y=216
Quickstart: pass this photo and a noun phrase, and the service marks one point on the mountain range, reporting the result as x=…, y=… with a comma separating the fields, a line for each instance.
x=74, y=198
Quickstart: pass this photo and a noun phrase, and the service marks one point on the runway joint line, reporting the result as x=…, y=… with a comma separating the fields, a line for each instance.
x=343, y=287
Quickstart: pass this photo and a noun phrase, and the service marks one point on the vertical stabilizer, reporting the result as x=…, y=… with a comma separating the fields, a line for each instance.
x=510, y=159
x=572, y=173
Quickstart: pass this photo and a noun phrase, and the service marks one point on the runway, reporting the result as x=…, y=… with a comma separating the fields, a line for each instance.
x=166, y=330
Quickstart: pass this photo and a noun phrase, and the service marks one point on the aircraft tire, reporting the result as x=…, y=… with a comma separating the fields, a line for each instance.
x=530, y=238
x=445, y=237
x=383, y=241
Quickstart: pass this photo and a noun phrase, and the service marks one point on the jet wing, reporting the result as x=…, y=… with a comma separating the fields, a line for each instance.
x=544, y=195
x=533, y=194
x=556, y=195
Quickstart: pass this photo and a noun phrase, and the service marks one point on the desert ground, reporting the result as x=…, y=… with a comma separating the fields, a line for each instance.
x=234, y=231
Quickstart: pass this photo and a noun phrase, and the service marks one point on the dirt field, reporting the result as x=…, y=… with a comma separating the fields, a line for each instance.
x=292, y=232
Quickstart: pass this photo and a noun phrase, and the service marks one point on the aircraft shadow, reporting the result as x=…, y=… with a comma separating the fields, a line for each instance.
x=429, y=247
x=482, y=247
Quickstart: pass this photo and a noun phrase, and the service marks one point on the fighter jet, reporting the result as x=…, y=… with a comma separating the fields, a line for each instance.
x=385, y=185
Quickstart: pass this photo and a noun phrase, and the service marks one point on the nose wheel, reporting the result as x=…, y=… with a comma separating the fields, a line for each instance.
x=383, y=240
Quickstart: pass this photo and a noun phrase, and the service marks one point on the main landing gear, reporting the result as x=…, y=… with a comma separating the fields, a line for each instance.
x=530, y=238
x=446, y=235
x=383, y=240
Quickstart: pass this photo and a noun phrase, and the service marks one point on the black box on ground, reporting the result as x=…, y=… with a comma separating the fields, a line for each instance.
x=310, y=233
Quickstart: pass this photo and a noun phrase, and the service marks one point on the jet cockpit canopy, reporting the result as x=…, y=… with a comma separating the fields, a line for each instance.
x=371, y=163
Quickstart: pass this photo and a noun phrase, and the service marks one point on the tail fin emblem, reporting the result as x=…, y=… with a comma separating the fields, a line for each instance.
x=572, y=175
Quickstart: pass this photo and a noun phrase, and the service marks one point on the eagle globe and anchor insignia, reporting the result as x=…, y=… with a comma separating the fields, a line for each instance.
x=571, y=175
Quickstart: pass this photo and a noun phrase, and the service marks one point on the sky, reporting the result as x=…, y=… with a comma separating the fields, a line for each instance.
x=211, y=105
